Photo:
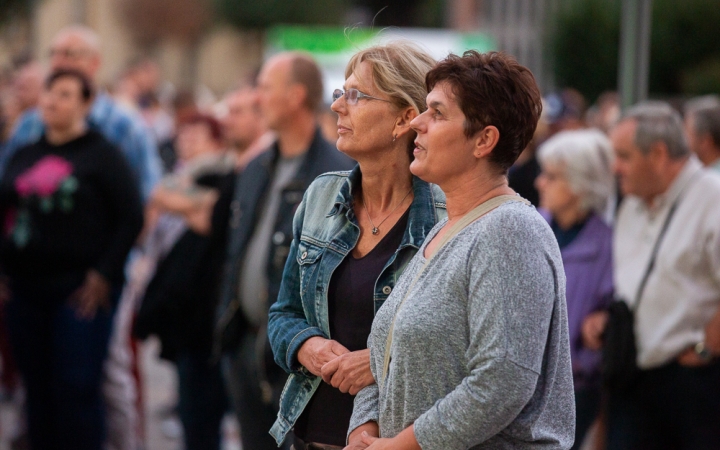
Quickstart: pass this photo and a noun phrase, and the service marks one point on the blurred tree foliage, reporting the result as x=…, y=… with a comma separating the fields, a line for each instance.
x=684, y=55
x=10, y=9
x=585, y=46
x=381, y=13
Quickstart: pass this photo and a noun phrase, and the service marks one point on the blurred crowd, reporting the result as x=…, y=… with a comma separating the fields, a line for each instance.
x=173, y=217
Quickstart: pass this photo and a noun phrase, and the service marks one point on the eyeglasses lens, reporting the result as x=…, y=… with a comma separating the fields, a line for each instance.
x=351, y=95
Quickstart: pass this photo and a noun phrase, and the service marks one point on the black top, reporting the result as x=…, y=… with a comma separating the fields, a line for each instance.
x=565, y=237
x=181, y=299
x=66, y=209
x=522, y=180
x=350, y=312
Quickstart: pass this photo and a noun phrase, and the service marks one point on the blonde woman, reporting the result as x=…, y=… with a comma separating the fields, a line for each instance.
x=353, y=235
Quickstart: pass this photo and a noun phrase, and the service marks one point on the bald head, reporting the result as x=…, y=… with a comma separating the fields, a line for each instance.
x=76, y=47
x=289, y=84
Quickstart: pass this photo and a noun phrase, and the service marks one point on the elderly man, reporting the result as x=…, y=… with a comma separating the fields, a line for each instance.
x=702, y=124
x=266, y=196
x=667, y=268
x=78, y=48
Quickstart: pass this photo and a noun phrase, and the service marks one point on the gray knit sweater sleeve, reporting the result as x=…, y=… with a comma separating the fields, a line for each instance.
x=480, y=351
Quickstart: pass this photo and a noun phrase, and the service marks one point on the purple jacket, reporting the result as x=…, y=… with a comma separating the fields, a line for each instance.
x=588, y=269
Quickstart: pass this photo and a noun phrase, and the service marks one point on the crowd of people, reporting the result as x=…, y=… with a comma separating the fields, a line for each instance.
x=446, y=266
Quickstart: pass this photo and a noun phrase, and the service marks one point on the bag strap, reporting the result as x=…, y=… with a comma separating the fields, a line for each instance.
x=658, y=241
x=466, y=220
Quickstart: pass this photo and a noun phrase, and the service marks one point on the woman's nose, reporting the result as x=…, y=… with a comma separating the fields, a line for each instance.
x=417, y=123
x=338, y=105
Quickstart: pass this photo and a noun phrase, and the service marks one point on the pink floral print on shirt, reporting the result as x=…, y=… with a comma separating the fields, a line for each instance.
x=49, y=183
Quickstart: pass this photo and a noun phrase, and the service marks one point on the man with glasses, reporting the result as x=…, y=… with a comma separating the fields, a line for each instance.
x=267, y=193
x=78, y=48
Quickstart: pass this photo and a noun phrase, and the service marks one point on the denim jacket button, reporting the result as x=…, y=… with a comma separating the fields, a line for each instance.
x=387, y=290
x=304, y=255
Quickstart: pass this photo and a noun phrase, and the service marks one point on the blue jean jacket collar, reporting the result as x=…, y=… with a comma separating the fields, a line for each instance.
x=422, y=209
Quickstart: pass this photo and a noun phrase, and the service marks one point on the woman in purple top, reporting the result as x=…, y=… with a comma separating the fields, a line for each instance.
x=576, y=189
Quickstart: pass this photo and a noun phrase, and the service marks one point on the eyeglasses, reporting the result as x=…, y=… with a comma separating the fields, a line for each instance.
x=352, y=96
x=67, y=53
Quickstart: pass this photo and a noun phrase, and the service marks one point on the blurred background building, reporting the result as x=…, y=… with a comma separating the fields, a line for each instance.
x=215, y=43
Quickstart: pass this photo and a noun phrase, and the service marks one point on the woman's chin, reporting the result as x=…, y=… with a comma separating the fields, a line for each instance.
x=417, y=168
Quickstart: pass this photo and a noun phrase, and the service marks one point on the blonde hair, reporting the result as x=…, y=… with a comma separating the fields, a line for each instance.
x=398, y=71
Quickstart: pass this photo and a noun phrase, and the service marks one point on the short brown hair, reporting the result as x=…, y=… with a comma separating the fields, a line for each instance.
x=493, y=89
x=305, y=71
x=87, y=91
x=212, y=124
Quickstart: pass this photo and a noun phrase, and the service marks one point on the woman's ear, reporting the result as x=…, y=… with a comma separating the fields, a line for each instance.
x=485, y=141
x=402, y=123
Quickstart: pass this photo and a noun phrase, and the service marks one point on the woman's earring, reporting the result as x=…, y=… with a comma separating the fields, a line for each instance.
x=394, y=137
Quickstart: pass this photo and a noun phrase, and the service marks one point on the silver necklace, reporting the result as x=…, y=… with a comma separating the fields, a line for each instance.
x=376, y=229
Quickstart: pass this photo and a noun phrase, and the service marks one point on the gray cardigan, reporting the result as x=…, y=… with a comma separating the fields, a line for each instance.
x=480, y=352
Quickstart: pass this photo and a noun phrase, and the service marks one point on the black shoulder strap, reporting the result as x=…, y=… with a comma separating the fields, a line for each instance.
x=658, y=241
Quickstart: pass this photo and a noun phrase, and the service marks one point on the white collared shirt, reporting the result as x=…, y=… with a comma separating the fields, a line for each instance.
x=683, y=291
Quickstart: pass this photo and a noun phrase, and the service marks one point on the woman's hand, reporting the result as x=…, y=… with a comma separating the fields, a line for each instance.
x=318, y=351
x=349, y=372
x=403, y=441
x=355, y=440
x=593, y=328
x=92, y=295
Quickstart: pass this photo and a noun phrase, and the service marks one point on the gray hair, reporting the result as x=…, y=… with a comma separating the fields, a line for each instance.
x=587, y=158
x=707, y=121
x=89, y=37
x=658, y=122
x=702, y=102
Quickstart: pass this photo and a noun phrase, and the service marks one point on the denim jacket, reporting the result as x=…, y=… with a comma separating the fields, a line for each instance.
x=325, y=230
x=250, y=191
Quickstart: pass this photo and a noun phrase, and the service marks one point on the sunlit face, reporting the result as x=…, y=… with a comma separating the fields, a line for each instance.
x=275, y=95
x=634, y=169
x=62, y=105
x=366, y=127
x=442, y=151
x=556, y=196
x=242, y=122
x=70, y=51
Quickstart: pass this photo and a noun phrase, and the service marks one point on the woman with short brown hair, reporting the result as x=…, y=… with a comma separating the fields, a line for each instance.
x=471, y=348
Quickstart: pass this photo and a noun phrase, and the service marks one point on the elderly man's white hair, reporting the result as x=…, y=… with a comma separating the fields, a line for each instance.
x=85, y=33
x=587, y=157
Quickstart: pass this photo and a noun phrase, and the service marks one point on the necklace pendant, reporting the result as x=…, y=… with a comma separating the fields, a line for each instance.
x=375, y=230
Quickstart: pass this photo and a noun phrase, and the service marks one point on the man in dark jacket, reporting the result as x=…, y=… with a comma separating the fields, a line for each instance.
x=261, y=214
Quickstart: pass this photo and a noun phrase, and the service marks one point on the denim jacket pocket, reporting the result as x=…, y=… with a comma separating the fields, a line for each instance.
x=308, y=258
